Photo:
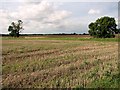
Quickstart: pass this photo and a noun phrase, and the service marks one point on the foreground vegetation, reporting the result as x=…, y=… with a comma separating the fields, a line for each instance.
x=63, y=37
x=59, y=62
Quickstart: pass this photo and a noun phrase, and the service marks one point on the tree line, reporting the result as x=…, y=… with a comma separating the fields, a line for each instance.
x=104, y=27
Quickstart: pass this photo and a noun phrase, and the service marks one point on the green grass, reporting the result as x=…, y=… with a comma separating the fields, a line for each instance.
x=65, y=38
x=106, y=82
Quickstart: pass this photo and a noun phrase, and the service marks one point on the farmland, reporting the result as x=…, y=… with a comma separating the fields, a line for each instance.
x=47, y=62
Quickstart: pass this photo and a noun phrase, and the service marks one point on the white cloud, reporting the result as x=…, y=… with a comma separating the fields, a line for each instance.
x=93, y=11
x=29, y=11
x=37, y=18
x=51, y=17
x=62, y=0
x=58, y=16
x=4, y=20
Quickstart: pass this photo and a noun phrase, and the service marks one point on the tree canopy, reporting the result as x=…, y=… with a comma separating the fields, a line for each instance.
x=104, y=27
x=15, y=28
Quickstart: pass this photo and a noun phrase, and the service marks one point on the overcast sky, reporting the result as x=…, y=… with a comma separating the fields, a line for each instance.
x=43, y=17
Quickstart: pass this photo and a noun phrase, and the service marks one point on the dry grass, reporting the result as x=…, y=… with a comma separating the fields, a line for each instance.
x=57, y=63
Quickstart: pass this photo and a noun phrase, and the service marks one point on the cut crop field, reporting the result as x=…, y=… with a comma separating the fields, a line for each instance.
x=59, y=63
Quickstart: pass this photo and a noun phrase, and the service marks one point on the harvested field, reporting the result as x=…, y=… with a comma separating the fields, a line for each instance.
x=40, y=63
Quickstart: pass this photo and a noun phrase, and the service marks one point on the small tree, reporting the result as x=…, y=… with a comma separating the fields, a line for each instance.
x=15, y=28
x=105, y=27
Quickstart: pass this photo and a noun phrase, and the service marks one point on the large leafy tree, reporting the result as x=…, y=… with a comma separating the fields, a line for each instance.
x=15, y=28
x=105, y=27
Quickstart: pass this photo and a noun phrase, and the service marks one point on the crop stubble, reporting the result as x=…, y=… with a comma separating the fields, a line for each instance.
x=63, y=63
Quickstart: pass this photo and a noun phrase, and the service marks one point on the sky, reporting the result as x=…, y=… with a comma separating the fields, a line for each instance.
x=51, y=17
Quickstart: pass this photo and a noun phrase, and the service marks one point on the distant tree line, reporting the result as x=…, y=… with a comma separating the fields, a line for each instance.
x=45, y=34
x=104, y=27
